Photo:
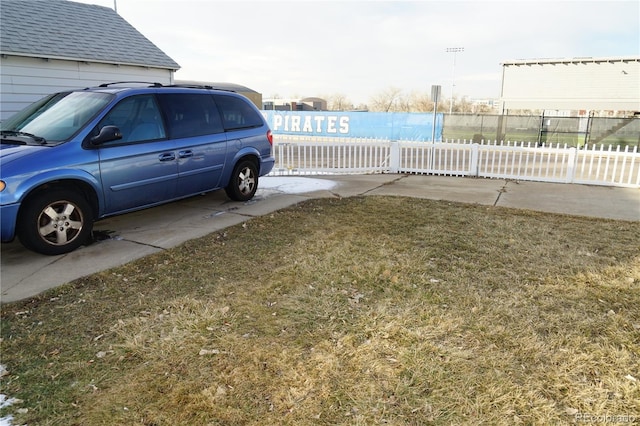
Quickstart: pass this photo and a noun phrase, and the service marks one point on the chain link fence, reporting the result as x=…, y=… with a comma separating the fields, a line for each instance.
x=572, y=131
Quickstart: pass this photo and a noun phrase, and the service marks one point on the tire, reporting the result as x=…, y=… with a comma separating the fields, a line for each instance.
x=244, y=181
x=55, y=222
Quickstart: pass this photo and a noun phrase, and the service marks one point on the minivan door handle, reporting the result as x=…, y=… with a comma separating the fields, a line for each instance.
x=167, y=156
x=185, y=154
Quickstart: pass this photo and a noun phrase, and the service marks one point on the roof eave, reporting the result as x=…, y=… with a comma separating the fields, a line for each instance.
x=576, y=60
x=174, y=68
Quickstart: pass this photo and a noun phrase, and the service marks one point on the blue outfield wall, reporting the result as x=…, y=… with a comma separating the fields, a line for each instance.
x=376, y=125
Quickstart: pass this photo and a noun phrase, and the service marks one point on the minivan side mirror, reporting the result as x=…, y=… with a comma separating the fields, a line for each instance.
x=107, y=134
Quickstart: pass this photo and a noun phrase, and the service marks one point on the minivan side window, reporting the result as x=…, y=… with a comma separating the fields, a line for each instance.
x=190, y=114
x=137, y=117
x=237, y=113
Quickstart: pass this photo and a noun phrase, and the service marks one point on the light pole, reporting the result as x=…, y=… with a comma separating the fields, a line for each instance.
x=455, y=51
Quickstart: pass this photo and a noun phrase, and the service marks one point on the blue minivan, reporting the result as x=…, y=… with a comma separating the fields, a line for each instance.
x=78, y=156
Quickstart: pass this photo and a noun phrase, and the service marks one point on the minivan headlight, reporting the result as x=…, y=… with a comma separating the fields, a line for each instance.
x=2, y=185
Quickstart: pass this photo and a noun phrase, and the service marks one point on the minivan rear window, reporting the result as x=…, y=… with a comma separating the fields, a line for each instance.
x=237, y=113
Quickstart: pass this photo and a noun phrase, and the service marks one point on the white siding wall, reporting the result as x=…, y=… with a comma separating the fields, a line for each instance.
x=572, y=85
x=24, y=80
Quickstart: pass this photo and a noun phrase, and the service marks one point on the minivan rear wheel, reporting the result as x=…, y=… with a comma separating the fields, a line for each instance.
x=244, y=181
x=55, y=222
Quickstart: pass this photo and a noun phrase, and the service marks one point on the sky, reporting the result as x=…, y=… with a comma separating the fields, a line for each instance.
x=362, y=48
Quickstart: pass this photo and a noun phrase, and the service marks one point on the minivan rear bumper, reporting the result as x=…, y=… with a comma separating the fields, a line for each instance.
x=266, y=165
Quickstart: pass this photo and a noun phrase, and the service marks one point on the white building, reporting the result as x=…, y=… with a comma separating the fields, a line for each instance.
x=579, y=85
x=52, y=45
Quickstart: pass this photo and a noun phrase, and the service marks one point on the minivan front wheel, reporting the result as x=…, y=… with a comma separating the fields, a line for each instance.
x=244, y=181
x=55, y=222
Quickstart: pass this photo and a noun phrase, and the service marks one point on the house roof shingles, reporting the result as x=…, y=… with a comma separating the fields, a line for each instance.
x=60, y=29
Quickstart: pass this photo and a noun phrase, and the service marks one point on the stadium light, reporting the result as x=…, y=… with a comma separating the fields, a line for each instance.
x=455, y=51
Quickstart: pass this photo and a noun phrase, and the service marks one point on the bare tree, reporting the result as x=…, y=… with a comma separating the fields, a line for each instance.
x=421, y=102
x=404, y=104
x=445, y=105
x=482, y=109
x=338, y=102
x=464, y=105
x=386, y=101
x=394, y=100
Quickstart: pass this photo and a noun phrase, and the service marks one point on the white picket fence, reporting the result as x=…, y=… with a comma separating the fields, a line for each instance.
x=595, y=165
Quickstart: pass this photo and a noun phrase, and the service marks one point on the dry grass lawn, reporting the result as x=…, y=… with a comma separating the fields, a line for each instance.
x=359, y=311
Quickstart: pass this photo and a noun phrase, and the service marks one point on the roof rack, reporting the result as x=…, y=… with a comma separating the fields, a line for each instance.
x=201, y=86
x=185, y=85
x=192, y=86
x=151, y=84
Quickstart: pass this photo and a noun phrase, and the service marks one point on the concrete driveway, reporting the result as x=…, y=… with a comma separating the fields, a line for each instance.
x=128, y=237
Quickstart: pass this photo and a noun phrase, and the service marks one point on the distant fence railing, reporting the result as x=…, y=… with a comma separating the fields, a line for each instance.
x=595, y=165
x=574, y=131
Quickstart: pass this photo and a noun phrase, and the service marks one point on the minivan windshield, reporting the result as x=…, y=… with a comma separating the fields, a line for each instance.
x=57, y=117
